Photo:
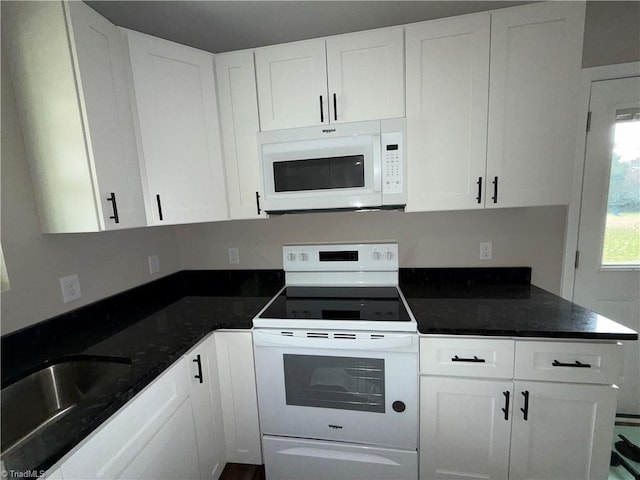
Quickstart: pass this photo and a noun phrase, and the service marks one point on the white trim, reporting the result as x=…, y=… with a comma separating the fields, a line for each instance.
x=588, y=76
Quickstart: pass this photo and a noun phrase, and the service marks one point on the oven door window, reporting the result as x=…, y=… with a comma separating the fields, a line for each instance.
x=319, y=173
x=346, y=383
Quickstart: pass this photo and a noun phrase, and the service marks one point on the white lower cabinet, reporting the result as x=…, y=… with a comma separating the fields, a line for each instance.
x=238, y=396
x=517, y=427
x=153, y=437
x=191, y=420
x=463, y=433
x=204, y=391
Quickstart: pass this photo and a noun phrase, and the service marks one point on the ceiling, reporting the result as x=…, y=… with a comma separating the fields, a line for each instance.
x=220, y=26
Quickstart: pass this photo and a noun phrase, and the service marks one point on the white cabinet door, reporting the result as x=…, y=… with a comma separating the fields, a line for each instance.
x=536, y=53
x=204, y=391
x=366, y=75
x=109, y=451
x=74, y=108
x=464, y=431
x=239, y=398
x=292, y=85
x=181, y=157
x=567, y=431
x=447, y=96
x=171, y=454
x=238, y=103
x=101, y=61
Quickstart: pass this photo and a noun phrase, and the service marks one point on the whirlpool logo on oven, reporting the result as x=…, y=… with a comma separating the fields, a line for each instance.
x=335, y=427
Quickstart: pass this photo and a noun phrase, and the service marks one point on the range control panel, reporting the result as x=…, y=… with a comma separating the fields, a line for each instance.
x=362, y=257
x=392, y=163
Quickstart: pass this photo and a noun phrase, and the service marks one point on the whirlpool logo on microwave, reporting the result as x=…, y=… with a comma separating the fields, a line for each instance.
x=337, y=427
x=328, y=130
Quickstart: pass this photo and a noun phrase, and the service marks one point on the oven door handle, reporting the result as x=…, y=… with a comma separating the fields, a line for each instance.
x=337, y=455
x=264, y=339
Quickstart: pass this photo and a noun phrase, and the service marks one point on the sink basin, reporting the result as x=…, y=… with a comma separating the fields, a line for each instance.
x=47, y=395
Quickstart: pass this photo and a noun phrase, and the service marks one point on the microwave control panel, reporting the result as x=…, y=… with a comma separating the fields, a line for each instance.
x=392, y=163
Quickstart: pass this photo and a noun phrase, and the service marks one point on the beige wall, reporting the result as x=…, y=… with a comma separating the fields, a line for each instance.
x=521, y=237
x=611, y=33
x=106, y=263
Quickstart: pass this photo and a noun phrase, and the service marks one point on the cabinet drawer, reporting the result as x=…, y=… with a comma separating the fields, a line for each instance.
x=568, y=362
x=466, y=357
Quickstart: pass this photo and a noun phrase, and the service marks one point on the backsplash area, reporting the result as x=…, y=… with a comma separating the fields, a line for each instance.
x=523, y=236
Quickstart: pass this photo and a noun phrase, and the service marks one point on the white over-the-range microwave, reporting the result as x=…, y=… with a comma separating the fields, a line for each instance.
x=351, y=166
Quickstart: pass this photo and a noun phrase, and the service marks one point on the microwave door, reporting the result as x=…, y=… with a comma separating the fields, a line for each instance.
x=323, y=174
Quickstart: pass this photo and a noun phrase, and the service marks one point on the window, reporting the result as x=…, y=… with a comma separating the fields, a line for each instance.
x=621, y=247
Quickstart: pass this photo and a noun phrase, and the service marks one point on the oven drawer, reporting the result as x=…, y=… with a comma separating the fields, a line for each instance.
x=568, y=361
x=466, y=357
x=294, y=459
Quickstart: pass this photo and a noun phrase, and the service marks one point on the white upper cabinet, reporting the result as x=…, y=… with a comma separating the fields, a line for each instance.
x=78, y=129
x=536, y=53
x=347, y=78
x=366, y=75
x=447, y=97
x=238, y=103
x=178, y=131
x=292, y=85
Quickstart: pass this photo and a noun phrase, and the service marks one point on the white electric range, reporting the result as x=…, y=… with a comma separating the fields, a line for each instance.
x=336, y=355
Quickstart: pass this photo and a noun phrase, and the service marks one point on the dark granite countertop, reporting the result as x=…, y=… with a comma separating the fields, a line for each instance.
x=152, y=326
x=155, y=324
x=498, y=302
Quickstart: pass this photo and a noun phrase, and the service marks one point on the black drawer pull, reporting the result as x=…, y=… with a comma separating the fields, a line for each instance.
x=525, y=410
x=475, y=359
x=506, y=394
x=577, y=364
x=159, y=208
x=495, y=190
x=335, y=108
x=479, y=183
x=258, y=203
x=321, y=111
x=199, y=362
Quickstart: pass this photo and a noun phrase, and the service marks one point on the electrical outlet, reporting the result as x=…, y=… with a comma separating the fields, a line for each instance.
x=154, y=264
x=234, y=256
x=70, y=288
x=486, y=250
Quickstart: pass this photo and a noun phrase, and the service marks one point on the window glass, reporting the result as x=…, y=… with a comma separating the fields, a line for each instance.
x=319, y=173
x=622, y=230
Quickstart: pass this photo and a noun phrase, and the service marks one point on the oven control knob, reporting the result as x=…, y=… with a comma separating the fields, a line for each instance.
x=376, y=255
x=398, y=406
x=389, y=255
x=304, y=257
x=291, y=257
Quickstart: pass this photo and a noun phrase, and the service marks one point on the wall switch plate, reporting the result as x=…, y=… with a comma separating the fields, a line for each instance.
x=70, y=288
x=234, y=256
x=154, y=264
x=486, y=250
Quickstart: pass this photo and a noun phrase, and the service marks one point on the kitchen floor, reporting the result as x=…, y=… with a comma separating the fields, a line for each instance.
x=631, y=430
x=239, y=471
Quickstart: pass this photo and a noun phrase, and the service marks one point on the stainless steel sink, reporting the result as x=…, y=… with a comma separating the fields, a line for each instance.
x=47, y=395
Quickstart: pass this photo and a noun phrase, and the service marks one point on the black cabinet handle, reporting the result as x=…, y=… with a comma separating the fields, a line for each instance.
x=506, y=394
x=335, y=108
x=525, y=410
x=321, y=111
x=479, y=183
x=199, y=362
x=495, y=190
x=159, y=207
x=576, y=364
x=112, y=199
x=475, y=359
x=258, y=203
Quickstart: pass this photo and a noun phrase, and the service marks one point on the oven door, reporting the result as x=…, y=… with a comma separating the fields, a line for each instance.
x=345, y=387
x=328, y=173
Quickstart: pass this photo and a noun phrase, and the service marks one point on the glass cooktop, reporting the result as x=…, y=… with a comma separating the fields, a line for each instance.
x=371, y=304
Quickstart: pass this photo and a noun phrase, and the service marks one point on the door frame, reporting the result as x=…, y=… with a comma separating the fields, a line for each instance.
x=587, y=77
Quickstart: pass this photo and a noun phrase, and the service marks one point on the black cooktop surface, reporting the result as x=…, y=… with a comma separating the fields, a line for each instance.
x=339, y=303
